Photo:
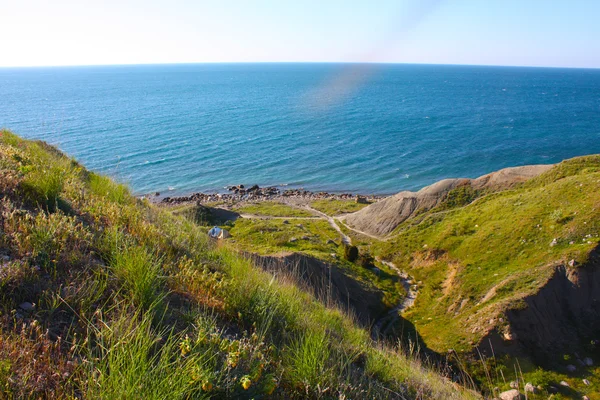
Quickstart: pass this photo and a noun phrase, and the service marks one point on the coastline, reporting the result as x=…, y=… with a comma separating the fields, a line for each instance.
x=255, y=193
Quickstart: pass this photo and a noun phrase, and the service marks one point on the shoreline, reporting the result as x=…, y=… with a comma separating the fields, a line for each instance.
x=255, y=193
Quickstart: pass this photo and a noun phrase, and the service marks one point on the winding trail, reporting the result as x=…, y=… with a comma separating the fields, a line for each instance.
x=345, y=238
x=382, y=326
x=342, y=220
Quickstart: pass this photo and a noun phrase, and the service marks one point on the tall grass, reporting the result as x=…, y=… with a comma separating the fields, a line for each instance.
x=308, y=358
x=133, y=361
x=44, y=185
x=136, y=267
x=107, y=188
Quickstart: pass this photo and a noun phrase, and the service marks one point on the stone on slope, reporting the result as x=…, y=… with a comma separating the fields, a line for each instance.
x=512, y=394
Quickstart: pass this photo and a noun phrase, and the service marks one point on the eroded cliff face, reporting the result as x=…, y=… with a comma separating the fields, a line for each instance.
x=327, y=283
x=382, y=217
x=558, y=319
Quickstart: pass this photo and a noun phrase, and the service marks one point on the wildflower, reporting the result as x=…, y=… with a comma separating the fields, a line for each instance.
x=185, y=346
x=207, y=386
x=246, y=382
x=232, y=359
x=271, y=386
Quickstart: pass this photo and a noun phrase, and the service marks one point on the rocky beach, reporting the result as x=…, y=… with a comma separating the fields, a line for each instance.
x=256, y=193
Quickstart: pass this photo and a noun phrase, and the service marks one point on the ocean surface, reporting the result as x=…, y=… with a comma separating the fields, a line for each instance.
x=356, y=128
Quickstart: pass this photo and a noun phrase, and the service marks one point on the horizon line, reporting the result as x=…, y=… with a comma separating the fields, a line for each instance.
x=292, y=62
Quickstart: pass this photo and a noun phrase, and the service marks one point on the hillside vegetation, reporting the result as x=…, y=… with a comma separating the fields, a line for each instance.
x=512, y=275
x=103, y=295
x=504, y=269
x=476, y=260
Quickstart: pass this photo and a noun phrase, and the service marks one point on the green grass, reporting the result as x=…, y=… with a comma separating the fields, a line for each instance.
x=133, y=301
x=199, y=215
x=501, y=241
x=271, y=209
x=105, y=187
x=131, y=365
x=336, y=207
x=501, y=371
x=138, y=269
x=275, y=236
x=472, y=243
x=316, y=238
x=308, y=357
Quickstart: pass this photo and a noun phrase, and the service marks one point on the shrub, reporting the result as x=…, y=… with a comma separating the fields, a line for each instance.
x=366, y=261
x=459, y=197
x=351, y=253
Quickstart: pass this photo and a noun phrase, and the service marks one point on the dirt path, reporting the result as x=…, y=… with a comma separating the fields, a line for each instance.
x=384, y=323
x=341, y=220
x=254, y=216
x=345, y=238
x=317, y=215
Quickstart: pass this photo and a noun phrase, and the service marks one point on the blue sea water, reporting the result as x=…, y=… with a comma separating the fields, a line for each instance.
x=380, y=129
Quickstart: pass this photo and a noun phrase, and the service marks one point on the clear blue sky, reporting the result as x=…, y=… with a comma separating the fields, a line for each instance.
x=497, y=32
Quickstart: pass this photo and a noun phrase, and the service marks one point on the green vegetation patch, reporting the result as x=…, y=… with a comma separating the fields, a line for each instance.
x=336, y=207
x=272, y=236
x=271, y=209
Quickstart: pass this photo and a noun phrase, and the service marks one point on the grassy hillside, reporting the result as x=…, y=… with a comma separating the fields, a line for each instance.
x=474, y=261
x=106, y=296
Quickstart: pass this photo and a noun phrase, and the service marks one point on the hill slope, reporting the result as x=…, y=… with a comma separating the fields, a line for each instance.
x=510, y=270
x=477, y=259
x=106, y=296
x=383, y=217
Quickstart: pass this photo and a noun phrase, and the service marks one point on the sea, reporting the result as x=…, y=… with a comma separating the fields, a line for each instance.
x=353, y=128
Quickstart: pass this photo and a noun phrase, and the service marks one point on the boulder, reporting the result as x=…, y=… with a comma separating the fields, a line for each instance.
x=27, y=306
x=361, y=200
x=529, y=388
x=512, y=394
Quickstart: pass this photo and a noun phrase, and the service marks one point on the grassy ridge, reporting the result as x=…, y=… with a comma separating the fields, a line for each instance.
x=473, y=260
x=106, y=296
x=504, y=245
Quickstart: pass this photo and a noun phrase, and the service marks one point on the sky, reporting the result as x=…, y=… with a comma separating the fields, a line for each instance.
x=552, y=33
